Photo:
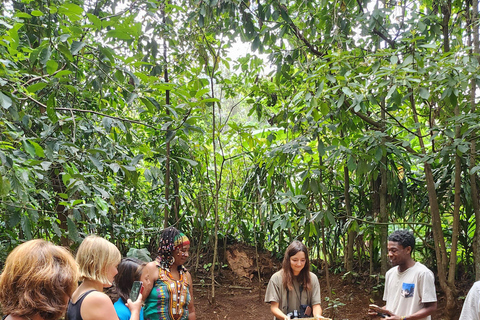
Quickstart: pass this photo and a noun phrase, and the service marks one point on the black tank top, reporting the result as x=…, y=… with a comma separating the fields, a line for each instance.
x=73, y=311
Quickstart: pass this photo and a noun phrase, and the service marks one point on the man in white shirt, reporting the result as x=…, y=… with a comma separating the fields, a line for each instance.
x=409, y=285
x=471, y=306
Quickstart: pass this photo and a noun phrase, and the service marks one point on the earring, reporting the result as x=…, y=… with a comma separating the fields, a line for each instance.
x=171, y=260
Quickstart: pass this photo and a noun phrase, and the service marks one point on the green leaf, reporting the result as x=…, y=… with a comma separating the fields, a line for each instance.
x=26, y=226
x=66, y=53
x=52, y=66
x=22, y=15
x=5, y=101
x=474, y=169
x=62, y=73
x=424, y=93
x=378, y=154
x=29, y=148
x=72, y=230
x=201, y=92
x=96, y=162
x=190, y=161
x=72, y=11
x=115, y=167
x=45, y=55
x=36, y=13
x=14, y=219
x=119, y=34
x=4, y=186
x=141, y=254
x=36, y=87
x=56, y=229
x=95, y=20
x=76, y=47
x=51, y=104
x=38, y=149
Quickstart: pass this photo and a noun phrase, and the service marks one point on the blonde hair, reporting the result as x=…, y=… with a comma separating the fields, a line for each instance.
x=94, y=256
x=38, y=278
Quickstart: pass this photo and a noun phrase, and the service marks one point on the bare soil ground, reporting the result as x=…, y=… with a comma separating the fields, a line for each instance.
x=241, y=297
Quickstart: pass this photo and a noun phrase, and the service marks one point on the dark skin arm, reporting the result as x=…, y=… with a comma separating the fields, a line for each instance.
x=428, y=309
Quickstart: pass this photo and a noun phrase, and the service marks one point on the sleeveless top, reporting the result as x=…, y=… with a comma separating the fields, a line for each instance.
x=169, y=298
x=73, y=310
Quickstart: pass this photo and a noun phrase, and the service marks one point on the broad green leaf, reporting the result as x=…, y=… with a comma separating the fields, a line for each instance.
x=5, y=101
x=95, y=20
x=36, y=13
x=36, y=87
x=51, y=104
x=190, y=161
x=38, y=149
x=201, y=92
x=72, y=230
x=22, y=15
x=62, y=73
x=26, y=226
x=65, y=52
x=96, y=162
x=4, y=186
x=424, y=93
x=14, y=219
x=76, y=47
x=378, y=154
x=72, y=11
x=52, y=66
x=56, y=229
x=114, y=166
x=29, y=148
x=119, y=34
x=45, y=55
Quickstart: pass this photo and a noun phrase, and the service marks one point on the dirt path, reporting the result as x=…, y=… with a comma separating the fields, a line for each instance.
x=350, y=301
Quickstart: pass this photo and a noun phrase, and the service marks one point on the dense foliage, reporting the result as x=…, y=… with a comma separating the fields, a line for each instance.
x=345, y=121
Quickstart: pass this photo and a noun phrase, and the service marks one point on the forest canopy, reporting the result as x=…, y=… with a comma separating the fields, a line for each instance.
x=343, y=121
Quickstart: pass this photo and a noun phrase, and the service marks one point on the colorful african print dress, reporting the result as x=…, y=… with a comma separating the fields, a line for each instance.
x=169, y=298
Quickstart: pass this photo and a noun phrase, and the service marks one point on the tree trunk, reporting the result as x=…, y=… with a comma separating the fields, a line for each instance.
x=58, y=187
x=167, y=155
x=351, y=234
x=439, y=241
x=473, y=177
x=383, y=202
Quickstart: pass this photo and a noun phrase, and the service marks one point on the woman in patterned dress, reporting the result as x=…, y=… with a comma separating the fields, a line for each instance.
x=172, y=296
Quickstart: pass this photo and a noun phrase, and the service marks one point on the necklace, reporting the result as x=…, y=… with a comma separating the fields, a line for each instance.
x=178, y=296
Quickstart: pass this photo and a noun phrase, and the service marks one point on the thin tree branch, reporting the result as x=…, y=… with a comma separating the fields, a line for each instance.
x=299, y=35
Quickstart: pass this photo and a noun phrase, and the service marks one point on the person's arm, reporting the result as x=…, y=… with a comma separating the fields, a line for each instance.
x=98, y=306
x=135, y=307
x=317, y=310
x=427, y=310
x=275, y=308
x=191, y=305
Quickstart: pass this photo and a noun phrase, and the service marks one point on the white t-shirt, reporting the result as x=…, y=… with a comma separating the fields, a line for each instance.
x=406, y=292
x=471, y=306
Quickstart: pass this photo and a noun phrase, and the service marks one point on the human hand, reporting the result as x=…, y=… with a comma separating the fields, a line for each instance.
x=375, y=311
x=135, y=306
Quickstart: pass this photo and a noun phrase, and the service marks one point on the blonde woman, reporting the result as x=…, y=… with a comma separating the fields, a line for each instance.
x=97, y=261
x=37, y=281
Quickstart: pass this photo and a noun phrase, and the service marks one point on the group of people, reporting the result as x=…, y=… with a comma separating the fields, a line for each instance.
x=40, y=282
x=409, y=286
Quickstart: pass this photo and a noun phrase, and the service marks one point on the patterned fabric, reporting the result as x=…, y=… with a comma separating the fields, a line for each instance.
x=181, y=240
x=169, y=298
